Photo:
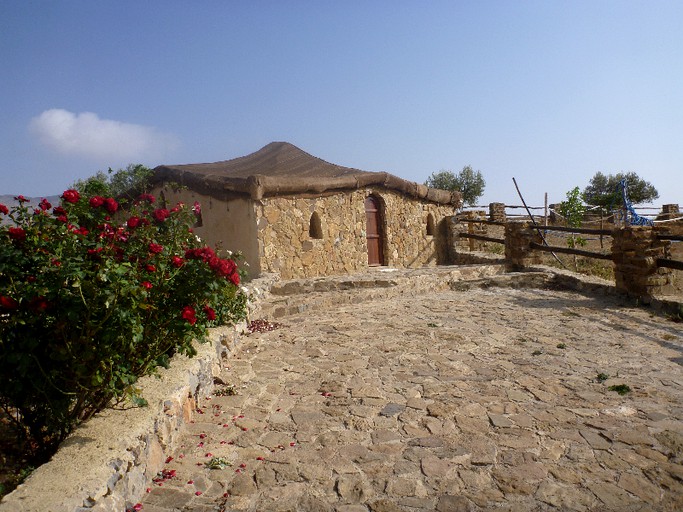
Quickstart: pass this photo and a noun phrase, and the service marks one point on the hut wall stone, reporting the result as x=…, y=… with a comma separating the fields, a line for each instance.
x=285, y=244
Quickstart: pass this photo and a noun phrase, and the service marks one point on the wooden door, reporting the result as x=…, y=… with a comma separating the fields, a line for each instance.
x=373, y=231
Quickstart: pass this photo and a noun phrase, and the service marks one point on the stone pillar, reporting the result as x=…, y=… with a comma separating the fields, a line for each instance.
x=497, y=212
x=634, y=252
x=518, y=252
x=669, y=211
x=454, y=226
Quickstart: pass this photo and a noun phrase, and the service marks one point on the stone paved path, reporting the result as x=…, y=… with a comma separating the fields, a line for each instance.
x=487, y=399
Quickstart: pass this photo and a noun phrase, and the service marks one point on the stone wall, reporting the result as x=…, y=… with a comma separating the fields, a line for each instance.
x=518, y=251
x=635, y=251
x=289, y=246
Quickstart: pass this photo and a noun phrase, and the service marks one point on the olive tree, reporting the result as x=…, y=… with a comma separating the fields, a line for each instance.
x=603, y=189
x=468, y=182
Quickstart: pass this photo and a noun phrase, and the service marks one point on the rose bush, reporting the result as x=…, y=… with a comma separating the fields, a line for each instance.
x=93, y=297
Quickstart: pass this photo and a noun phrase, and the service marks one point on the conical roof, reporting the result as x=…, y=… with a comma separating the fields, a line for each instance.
x=281, y=168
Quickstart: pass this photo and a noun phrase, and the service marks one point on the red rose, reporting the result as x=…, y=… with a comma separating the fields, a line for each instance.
x=21, y=199
x=111, y=205
x=160, y=215
x=155, y=248
x=38, y=304
x=4, y=209
x=17, y=234
x=177, y=261
x=71, y=196
x=197, y=208
x=8, y=302
x=146, y=284
x=189, y=314
x=44, y=204
x=96, y=201
x=234, y=278
x=210, y=313
x=62, y=218
x=133, y=222
x=206, y=254
x=146, y=197
x=150, y=268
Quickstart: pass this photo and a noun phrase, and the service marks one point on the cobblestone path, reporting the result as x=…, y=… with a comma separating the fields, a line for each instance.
x=489, y=399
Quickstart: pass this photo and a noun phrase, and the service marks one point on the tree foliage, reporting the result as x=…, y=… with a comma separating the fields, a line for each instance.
x=468, y=182
x=121, y=183
x=603, y=189
x=572, y=209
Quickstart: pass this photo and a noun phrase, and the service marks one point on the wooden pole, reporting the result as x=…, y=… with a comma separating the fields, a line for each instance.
x=536, y=225
x=545, y=210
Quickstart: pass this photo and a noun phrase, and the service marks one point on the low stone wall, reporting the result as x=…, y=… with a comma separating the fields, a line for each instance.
x=107, y=463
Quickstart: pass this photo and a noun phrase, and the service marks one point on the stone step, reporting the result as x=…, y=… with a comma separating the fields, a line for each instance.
x=298, y=296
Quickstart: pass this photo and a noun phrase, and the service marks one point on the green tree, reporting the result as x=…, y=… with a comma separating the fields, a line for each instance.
x=603, y=189
x=121, y=183
x=572, y=209
x=468, y=182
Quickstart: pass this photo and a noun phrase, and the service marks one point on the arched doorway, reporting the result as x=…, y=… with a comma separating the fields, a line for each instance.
x=374, y=231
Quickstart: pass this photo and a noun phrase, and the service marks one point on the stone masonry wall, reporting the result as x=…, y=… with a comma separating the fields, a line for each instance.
x=635, y=251
x=287, y=247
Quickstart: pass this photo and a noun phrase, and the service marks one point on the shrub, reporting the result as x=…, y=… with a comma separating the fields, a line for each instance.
x=92, y=298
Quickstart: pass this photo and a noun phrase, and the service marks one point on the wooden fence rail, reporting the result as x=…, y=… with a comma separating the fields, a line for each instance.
x=483, y=238
x=666, y=263
x=570, y=250
x=661, y=262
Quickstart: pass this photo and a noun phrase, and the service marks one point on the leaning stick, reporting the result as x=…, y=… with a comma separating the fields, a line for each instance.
x=536, y=225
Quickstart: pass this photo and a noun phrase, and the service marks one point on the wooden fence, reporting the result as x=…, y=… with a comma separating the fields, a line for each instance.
x=641, y=251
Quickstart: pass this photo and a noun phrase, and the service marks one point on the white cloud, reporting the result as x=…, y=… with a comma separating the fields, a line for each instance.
x=87, y=135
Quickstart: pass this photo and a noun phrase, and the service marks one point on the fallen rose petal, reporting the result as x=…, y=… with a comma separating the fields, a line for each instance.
x=198, y=493
x=190, y=482
x=168, y=459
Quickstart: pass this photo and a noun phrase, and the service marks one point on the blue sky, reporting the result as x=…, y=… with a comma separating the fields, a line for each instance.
x=549, y=92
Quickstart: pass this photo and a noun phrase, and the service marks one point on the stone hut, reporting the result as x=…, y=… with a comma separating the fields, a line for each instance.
x=289, y=212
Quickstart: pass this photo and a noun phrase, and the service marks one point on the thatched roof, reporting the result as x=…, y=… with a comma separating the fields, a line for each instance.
x=281, y=169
